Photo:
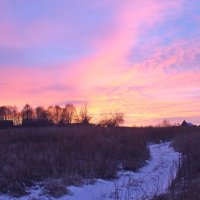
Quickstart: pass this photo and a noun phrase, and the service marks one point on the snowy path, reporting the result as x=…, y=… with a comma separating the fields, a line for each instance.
x=152, y=178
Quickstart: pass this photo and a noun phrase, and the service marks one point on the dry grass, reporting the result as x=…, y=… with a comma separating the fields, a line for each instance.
x=55, y=188
x=186, y=186
x=29, y=155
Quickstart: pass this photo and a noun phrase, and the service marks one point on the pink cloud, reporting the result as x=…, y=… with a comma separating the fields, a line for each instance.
x=105, y=79
x=39, y=33
x=113, y=48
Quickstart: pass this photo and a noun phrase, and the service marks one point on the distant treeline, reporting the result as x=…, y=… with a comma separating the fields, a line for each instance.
x=53, y=115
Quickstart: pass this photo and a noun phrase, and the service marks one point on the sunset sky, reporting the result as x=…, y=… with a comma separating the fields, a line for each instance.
x=140, y=57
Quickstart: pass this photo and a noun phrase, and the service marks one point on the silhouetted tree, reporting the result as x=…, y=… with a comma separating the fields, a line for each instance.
x=84, y=117
x=57, y=115
x=58, y=112
x=5, y=112
x=166, y=123
x=54, y=114
x=17, y=117
x=112, y=120
x=2, y=113
x=41, y=113
x=27, y=113
x=68, y=113
x=10, y=113
x=50, y=114
x=14, y=115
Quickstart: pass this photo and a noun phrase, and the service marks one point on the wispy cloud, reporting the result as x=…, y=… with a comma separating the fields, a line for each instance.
x=116, y=55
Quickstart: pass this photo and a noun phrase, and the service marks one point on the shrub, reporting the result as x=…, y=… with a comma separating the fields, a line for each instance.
x=55, y=188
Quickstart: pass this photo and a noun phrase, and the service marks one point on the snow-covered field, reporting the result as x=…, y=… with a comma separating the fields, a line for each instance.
x=154, y=178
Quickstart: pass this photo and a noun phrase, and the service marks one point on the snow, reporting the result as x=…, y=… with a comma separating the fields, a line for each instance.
x=154, y=178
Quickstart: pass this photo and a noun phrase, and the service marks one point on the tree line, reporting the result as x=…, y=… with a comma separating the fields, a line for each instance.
x=54, y=115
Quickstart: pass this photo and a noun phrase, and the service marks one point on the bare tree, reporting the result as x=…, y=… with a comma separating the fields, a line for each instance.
x=50, y=114
x=14, y=115
x=54, y=114
x=58, y=112
x=41, y=113
x=68, y=114
x=7, y=112
x=112, y=119
x=84, y=117
x=27, y=113
x=166, y=123
x=17, y=117
x=4, y=113
x=10, y=113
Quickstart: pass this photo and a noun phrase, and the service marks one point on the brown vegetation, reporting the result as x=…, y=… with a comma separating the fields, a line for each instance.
x=186, y=186
x=30, y=155
x=55, y=188
x=112, y=120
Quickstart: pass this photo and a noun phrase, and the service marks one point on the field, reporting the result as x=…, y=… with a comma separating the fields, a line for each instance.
x=186, y=186
x=57, y=156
